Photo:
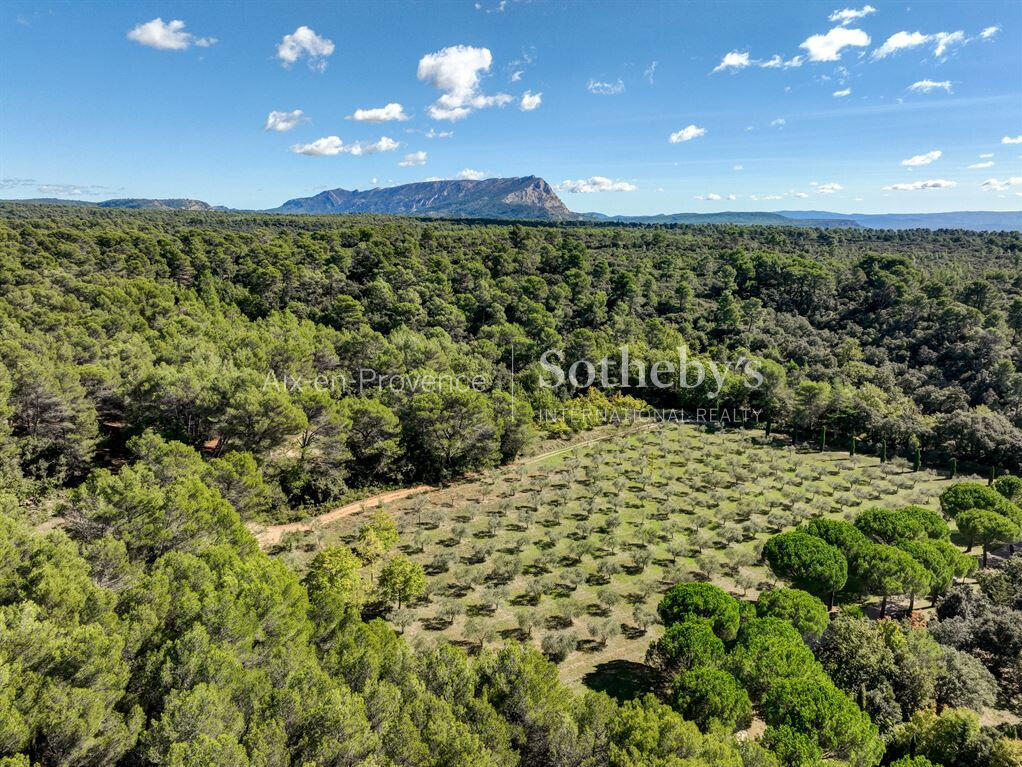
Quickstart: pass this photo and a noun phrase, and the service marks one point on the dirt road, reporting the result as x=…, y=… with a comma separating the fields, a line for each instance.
x=268, y=536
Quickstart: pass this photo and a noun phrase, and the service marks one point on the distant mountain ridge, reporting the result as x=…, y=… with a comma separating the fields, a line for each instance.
x=141, y=203
x=530, y=198
x=752, y=218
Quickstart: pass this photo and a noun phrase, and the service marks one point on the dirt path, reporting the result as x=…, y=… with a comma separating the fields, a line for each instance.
x=268, y=536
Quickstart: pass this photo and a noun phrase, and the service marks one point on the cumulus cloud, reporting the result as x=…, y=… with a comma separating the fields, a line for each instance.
x=847, y=15
x=801, y=195
x=738, y=167
x=899, y=41
x=985, y=155
x=167, y=36
x=438, y=133
x=456, y=71
x=925, y=86
x=984, y=164
x=1000, y=185
x=922, y=159
x=828, y=47
x=304, y=42
x=780, y=122
x=467, y=174
x=842, y=93
x=915, y=186
x=329, y=146
x=1012, y=139
x=594, y=184
x=530, y=101
x=413, y=159
x=686, y=134
x=390, y=112
x=733, y=60
x=708, y=196
x=989, y=32
x=606, y=89
x=284, y=121
x=828, y=188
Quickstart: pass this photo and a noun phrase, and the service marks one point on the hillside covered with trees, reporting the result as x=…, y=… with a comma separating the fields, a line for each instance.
x=167, y=378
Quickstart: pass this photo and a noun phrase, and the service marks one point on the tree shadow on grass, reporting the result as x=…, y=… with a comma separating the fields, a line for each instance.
x=621, y=679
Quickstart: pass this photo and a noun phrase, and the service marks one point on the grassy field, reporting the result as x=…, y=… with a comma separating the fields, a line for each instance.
x=580, y=545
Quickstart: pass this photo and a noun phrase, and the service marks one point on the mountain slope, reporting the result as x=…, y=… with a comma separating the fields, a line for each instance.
x=528, y=197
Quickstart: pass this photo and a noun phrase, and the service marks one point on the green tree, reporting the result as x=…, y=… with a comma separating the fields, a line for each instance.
x=808, y=562
x=802, y=610
x=712, y=698
x=701, y=600
x=888, y=571
x=987, y=528
x=401, y=580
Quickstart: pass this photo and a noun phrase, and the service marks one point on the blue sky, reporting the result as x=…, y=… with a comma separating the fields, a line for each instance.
x=625, y=107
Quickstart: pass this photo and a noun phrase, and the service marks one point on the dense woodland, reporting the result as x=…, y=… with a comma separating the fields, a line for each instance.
x=143, y=423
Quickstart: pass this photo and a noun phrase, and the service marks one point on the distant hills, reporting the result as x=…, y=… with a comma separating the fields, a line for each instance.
x=532, y=198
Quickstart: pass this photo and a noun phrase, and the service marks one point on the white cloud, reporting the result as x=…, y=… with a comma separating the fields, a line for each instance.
x=456, y=71
x=284, y=121
x=947, y=39
x=650, y=71
x=732, y=197
x=304, y=42
x=979, y=165
x=392, y=111
x=708, y=196
x=432, y=178
x=738, y=167
x=780, y=122
x=828, y=188
x=170, y=36
x=850, y=14
x=530, y=101
x=776, y=62
x=686, y=134
x=329, y=146
x=922, y=159
x=467, y=174
x=1012, y=140
x=516, y=75
x=413, y=159
x=438, y=133
x=915, y=186
x=901, y=41
x=989, y=32
x=985, y=155
x=383, y=145
x=1000, y=185
x=800, y=195
x=842, y=93
x=605, y=89
x=925, y=86
x=594, y=184
x=828, y=47
x=733, y=60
